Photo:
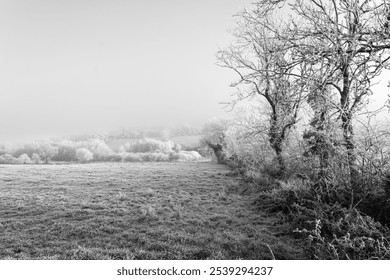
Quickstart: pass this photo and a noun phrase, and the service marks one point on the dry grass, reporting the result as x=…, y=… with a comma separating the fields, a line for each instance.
x=131, y=211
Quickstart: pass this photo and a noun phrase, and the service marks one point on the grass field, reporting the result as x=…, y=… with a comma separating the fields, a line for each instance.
x=132, y=211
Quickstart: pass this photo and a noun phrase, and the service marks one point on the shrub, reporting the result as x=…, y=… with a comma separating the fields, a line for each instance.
x=24, y=159
x=66, y=151
x=114, y=157
x=28, y=149
x=148, y=145
x=46, y=151
x=216, y=139
x=35, y=158
x=330, y=219
x=8, y=159
x=188, y=156
x=84, y=155
x=354, y=236
x=157, y=156
x=173, y=156
x=99, y=149
x=130, y=157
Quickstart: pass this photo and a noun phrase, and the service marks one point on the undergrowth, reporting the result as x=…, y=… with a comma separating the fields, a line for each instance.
x=336, y=222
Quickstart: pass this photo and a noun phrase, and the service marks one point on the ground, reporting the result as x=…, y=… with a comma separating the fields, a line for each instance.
x=175, y=210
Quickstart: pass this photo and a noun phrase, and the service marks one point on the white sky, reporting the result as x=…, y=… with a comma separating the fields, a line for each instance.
x=73, y=66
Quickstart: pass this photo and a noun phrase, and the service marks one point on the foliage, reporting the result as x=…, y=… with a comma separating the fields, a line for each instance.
x=188, y=155
x=148, y=145
x=46, y=151
x=24, y=159
x=84, y=155
x=8, y=159
x=338, y=49
x=97, y=150
x=358, y=237
x=334, y=229
x=66, y=151
x=260, y=60
x=317, y=65
x=35, y=158
x=28, y=149
x=215, y=138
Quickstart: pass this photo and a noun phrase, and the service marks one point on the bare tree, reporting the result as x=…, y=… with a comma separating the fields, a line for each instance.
x=260, y=60
x=345, y=42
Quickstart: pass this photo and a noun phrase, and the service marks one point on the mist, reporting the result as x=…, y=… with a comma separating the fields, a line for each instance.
x=83, y=66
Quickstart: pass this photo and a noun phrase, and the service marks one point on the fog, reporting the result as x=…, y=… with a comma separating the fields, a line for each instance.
x=80, y=66
x=71, y=67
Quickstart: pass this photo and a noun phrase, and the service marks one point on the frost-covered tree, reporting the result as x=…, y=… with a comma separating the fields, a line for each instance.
x=260, y=61
x=99, y=148
x=35, y=158
x=24, y=158
x=215, y=137
x=84, y=155
x=340, y=45
x=46, y=151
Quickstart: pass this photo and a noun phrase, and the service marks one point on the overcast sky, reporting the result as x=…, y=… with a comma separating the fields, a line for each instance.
x=72, y=66
x=81, y=66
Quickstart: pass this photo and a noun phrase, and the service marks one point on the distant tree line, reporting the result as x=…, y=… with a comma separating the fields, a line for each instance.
x=145, y=149
x=160, y=133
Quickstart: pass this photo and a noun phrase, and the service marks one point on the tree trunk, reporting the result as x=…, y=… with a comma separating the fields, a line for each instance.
x=350, y=146
x=276, y=139
x=282, y=164
x=218, y=152
x=346, y=124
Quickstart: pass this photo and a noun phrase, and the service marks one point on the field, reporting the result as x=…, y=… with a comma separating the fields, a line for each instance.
x=132, y=211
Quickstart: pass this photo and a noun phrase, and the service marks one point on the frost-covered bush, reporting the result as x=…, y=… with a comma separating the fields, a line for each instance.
x=24, y=159
x=28, y=149
x=101, y=151
x=35, y=158
x=8, y=159
x=160, y=157
x=216, y=140
x=84, y=155
x=188, y=156
x=353, y=236
x=173, y=156
x=130, y=157
x=5, y=149
x=148, y=145
x=148, y=150
x=66, y=151
x=115, y=157
x=46, y=151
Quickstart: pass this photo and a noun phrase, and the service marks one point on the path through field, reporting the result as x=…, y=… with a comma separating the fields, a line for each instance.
x=131, y=211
